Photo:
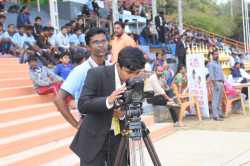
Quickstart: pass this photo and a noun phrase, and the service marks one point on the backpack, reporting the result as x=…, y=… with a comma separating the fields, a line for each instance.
x=167, y=50
x=171, y=60
x=13, y=9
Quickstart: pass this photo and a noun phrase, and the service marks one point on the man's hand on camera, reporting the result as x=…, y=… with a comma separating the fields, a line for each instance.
x=79, y=123
x=115, y=95
x=118, y=113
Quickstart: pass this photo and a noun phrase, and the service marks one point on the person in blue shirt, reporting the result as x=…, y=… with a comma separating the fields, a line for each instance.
x=23, y=16
x=55, y=51
x=38, y=28
x=2, y=20
x=68, y=26
x=236, y=71
x=90, y=6
x=14, y=48
x=20, y=36
x=75, y=46
x=240, y=59
x=5, y=44
x=64, y=68
x=97, y=42
x=82, y=37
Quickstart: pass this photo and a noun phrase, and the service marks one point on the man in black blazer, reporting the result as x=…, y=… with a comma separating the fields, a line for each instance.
x=160, y=26
x=103, y=85
x=96, y=7
x=181, y=50
x=147, y=33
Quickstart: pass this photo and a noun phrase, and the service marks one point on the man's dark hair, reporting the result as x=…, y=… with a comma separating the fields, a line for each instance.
x=29, y=27
x=241, y=64
x=92, y=32
x=109, y=47
x=131, y=58
x=181, y=36
x=120, y=23
x=38, y=18
x=236, y=63
x=214, y=51
x=66, y=53
x=78, y=57
x=199, y=77
x=20, y=26
x=77, y=29
x=240, y=55
x=72, y=21
x=156, y=55
x=45, y=28
x=161, y=12
x=68, y=25
x=85, y=28
x=51, y=28
x=126, y=21
x=10, y=25
x=79, y=19
x=63, y=27
x=2, y=16
x=206, y=62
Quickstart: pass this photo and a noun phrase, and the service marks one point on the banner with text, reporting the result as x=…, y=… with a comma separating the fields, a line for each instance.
x=197, y=82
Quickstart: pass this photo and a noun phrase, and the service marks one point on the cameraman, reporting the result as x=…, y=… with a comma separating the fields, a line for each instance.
x=103, y=85
x=157, y=83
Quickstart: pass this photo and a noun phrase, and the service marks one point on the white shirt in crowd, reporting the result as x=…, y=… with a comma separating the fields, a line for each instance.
x=244, y=74
x=160, y=21
x=232, y=61
x=117, y=86
x=147, y=67
x=156, y=84
x=127, y=30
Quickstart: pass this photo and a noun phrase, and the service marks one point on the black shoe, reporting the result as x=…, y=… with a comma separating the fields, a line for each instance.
x=223, y=116
x=218, y=119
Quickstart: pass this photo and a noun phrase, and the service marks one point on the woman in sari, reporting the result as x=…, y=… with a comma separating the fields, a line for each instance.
x=165, y=63
x=180, y=79
x=158, y=61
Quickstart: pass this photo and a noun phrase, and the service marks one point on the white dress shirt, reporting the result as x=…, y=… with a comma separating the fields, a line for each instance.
x=160, y=21
x=127, y=30
x=244, y=74
x=117, y=86
x=232, y=61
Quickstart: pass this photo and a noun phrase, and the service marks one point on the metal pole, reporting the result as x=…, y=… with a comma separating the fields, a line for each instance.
x=232, y=8
x=247, y=26
x=180, y=17
x=154, y=13
x=243, y=20
x=38, y=6
x=114, y=11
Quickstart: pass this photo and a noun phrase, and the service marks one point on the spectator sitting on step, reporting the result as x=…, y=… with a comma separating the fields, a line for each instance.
x=162, y=95
x=82, y=37
x=3, y=42
x=38, y=28
x=55, y=51
x=39, y=76
x=64, y=68
x=158, y=61
x=44, y=44
x=68, y=26
x=75, y=44
x=20, y=36
x=147, y=33
x=23, y=16
x=2, y=20
x=62, y=41
x=79, y=59
x=73, y=25
x=14, y=48
x=80, y=24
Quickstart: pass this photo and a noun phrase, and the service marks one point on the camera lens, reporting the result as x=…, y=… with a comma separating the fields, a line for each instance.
x=136, y=95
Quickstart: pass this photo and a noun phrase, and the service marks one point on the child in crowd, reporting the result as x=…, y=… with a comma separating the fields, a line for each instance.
x=20, y=37
x=73, y=25
x=68, y=26
x=2, y=20
x=33, y=49
x=39, y=75
x=52, y=41
x=64, y=68
x=109, y=53
x=75, y=44
x=79, y=59
x=82, y=37
x=3, y=42
x=14, y=48
x=38, y=28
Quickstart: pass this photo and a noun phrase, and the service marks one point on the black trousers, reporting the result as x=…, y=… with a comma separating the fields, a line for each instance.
x=151, y=38
x=161, y=34
x=136, y=37
x=182, y=60
x=44, y=54
x=160, y=100
x=112, y=148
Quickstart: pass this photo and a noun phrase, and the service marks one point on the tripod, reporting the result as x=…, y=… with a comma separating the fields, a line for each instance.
x=136, y=131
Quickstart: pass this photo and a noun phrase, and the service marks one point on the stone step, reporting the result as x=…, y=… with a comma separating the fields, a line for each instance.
x=7, y=83
x=11, y=128
x=17, y=91
x=15, y=102
x=13, y=67
x=28, y=111
x=157, y=130
x=14, y=74
x=9, y=61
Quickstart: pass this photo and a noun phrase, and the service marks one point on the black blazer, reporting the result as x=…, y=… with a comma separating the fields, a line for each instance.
x=157, y=21
x=145, y=31
x=99, y=84
x=95, y=5
x=180, y=49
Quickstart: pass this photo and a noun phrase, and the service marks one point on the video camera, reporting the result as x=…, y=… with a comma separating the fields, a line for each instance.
x=132, y=98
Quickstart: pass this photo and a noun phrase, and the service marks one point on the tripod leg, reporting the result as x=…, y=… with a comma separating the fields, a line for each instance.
x=134, y=153
x=150, y=151
x=121, y=151
x=141, y=152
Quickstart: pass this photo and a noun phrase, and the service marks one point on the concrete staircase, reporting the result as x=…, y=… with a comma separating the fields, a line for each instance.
x=32, y=131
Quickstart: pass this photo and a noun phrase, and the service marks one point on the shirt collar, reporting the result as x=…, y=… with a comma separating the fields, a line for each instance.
x=121, y=37
x=117, y=78
x=95, y=65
